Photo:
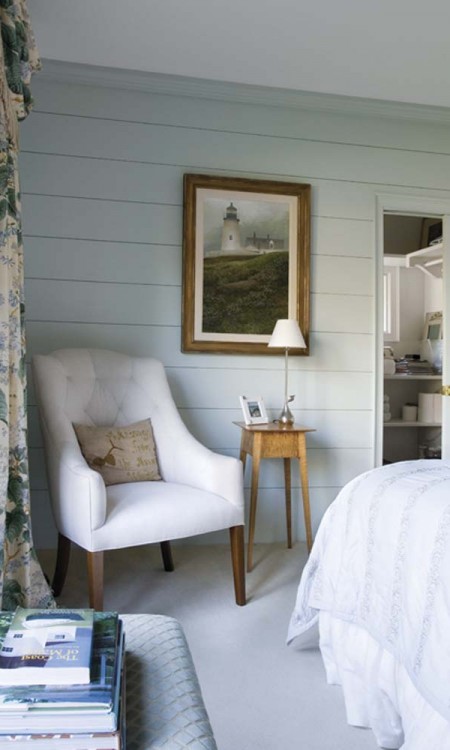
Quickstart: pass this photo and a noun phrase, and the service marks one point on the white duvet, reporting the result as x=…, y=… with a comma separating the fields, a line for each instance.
x=380, y=571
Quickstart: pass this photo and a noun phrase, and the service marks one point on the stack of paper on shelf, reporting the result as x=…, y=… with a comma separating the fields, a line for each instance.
x=76, y=715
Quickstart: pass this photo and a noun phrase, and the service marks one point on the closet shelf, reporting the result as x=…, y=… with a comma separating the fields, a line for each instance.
x=428, y=259
x=409, y=376
x=404, y=423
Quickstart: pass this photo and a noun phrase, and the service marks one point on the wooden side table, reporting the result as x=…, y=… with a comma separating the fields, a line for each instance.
x=273, y=440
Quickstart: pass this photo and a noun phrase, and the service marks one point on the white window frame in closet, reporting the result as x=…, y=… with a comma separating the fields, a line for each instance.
x=391, y=297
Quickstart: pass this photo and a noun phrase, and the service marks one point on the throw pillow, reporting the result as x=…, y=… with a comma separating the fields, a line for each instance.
x=120, y=454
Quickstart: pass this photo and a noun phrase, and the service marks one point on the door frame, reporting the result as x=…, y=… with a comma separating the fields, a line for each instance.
x=418, y=204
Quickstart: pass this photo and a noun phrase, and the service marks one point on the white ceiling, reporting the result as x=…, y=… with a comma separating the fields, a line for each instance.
x=396, y=50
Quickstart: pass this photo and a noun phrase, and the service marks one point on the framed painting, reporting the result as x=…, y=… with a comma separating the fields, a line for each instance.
x=246, y=262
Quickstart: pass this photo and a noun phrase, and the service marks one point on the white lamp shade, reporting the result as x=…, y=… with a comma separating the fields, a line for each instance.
x=287, y=335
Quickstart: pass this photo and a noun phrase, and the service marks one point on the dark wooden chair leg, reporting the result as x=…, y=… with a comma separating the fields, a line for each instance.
x=238, y=560
x=95, y=580
x=61, y=565
x=166, y=553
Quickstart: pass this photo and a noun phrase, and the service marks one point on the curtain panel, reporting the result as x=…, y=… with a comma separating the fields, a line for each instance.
x=21, y=579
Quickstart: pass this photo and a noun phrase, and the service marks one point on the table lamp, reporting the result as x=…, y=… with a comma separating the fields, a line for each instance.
x=286, y=335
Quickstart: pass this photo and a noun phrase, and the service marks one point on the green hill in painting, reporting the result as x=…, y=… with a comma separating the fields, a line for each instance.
x=245, y=294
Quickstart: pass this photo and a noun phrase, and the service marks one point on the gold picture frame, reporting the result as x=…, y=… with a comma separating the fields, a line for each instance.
x=246, y=262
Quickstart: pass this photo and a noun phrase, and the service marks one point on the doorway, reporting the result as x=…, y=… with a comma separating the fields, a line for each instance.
x=403, y=227
x=412, y=352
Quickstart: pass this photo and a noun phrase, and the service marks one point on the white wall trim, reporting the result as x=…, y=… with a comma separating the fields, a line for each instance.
x=94, y=75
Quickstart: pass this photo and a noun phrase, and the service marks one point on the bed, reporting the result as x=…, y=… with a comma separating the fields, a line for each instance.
x=377, y=588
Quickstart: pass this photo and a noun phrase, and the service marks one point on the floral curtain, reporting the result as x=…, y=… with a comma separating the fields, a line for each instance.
x=21, y=579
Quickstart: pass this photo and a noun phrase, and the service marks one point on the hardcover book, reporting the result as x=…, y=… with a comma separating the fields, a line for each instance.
x=68, y=741
x=47, y=647
x=98, y=695
x=84, y=739
x=72, y=708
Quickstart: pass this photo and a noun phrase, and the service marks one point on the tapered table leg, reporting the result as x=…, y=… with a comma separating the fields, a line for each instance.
x=256, y=458
x=287, y=490
x=305, y=489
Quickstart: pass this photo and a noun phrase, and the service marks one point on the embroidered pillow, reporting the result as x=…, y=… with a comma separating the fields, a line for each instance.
x=120, y=454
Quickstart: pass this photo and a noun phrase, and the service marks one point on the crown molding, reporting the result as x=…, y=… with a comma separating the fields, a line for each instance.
x=161, y=83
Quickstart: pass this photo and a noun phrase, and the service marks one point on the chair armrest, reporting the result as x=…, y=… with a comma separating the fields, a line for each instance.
x=73, y=485
x=190, y=462
x=222, y=475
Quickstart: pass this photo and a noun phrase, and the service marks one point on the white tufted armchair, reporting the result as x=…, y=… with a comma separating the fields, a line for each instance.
x=201, y=491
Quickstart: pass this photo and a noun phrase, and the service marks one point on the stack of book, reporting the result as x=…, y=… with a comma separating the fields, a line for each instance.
x=420, y=367
x=412, y=366
x=62, y=679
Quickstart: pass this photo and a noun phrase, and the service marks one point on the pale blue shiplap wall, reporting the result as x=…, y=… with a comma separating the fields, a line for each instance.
x=101, y=175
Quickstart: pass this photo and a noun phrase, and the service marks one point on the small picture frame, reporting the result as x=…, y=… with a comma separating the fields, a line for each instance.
x=433, y=326
x=254, y=410
x=431, y=232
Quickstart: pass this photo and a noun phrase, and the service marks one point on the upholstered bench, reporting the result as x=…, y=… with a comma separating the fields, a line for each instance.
x=165, y=707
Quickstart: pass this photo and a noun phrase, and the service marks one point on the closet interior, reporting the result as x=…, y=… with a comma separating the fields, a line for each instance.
x=413, y=336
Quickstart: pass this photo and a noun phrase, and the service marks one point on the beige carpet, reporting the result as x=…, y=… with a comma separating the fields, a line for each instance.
x=259, y=693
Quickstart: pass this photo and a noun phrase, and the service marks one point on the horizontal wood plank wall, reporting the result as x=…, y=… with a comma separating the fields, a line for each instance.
x=101, y=178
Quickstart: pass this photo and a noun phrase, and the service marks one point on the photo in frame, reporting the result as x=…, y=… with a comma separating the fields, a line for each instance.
x=254, y=410
x=431, y=232
x=246, y=262
x=433, y=326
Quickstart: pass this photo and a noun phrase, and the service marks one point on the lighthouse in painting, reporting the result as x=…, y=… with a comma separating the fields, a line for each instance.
x=231, y=238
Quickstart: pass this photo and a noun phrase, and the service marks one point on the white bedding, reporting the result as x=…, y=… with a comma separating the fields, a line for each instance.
x=378, y=583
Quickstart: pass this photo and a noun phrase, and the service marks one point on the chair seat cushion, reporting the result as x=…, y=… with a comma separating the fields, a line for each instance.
x=120, y=454
x=147, y=512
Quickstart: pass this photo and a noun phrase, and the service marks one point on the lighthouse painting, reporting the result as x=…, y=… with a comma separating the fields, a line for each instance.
x=244, y=227
x=245, y=261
